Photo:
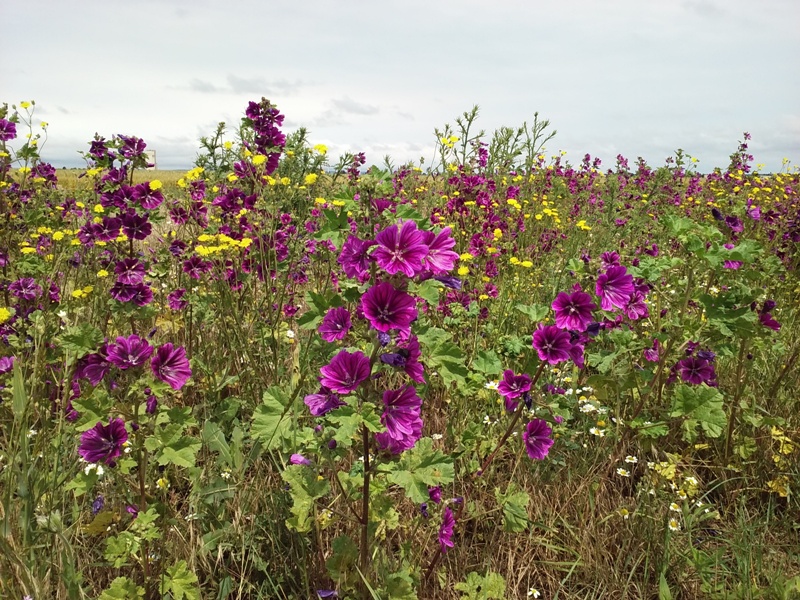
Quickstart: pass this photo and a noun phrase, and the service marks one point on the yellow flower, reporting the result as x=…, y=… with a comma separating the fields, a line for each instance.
x=259, y=159
x=311, y=179
x=98, y=208
x=162, y=483
x=28, y=250
x=156, y=185
x=514, y=260
x=319, y=201
x=321, y=148
x=285, y=181
x=25, y=104
x=232, y=177
x=77, y=294
x=527, y=264
x=102, y=273
x=463, y=271
x=227, y=145
x=466, y=256
x=5, y=314
x=24, y=170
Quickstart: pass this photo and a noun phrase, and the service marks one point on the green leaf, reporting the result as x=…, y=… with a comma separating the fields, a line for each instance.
x=180, y=582
x=487, y=362
x=664, y=592
x=20, y=396
x=271, y=421
x=400, y=586
x=80, y=340
x=420, y=468
x=214, y=439
x=427, y=290
x=122, y=588
x=535, y=312
x=181, y=452
x=93, y=408
x=446, y=359
x=515, y=508
x=701, y=405
x=304, y=488
x=479, y=587
x=343, y=557
x=120, y=547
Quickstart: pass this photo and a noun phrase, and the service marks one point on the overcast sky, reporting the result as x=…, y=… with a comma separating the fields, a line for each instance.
x=636, y=77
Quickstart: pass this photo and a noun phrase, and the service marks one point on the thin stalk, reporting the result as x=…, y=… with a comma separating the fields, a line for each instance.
x=364, y=549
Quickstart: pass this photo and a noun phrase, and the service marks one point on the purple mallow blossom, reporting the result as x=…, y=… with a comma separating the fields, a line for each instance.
x=440, y=258
x=345, y=372
x=103, y=443
x=573, y=311
x=129, y=352
x=614, y=288
x=322, y=402
x=401, y=417
x=386, y=307
x=171, y=366
x=695, y=370
x=552, y=344
x=335, y=324
x=401, y=249
x=537, y=439
x=446, y=530
x=354, y=257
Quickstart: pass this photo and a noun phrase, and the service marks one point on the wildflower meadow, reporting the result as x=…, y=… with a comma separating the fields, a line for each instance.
x=495, y=374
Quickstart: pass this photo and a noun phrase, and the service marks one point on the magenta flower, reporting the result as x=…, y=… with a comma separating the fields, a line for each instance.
x=573, y=311
x=171, y=366
x=322, y=402
x=129, y=271
x=299, y=459
x=195, y=266
x=25, y=288
x=354, y=258
x=6, y=364
x=446, y=530
x=401, y=251
x=609, y=259
x=136, y=226
x=767, y=320
x=651, y=354
x=129, y=352
x=537, y=439
x=407, y=358
x=103, y=443
x=94, y=367
x=345, y=372
x=386, y=307
x=175, y=299
x=440, y=258
x=695, y=370
x=552, y=344
x=401, y=417
x=513, y=386
x=335, y=324
x=614, y=287
x=8, y=130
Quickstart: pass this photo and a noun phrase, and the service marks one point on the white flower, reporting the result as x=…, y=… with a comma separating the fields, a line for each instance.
x=624, y=513
x=437, y=436
x=534, y=593
x=290, y=334
x=631, y=459
x=674, y=524
x=597, y=431
x=623, y=472
x=588, y=407
x=31, y=433
x=675, y=507
x=492, y=385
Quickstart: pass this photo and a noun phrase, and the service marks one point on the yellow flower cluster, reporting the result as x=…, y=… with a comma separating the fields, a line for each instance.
x=221, y=244
x=191, y=175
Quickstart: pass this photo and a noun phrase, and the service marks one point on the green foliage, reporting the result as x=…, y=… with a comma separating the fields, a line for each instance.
x=420, y=468
x=122, y=588
x=482, y=587
x=699, y=406
x=179, y=582
x=304, y=488
x=271, y=420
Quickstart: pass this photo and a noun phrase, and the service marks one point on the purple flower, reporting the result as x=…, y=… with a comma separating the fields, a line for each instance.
x=513, y=386
x=435, y=494
x=8, y=130
x=299, y=459
x=322, y=402
x=103, y=443
x=335, y=324
x=129, y=271
x=573, y=311
x=129, y=352
x=354, y=258
x=446, y=530
x=537, y=439
x=401, y=417
x=614, y=287
x=407, y=358
x=609, y=259
x=146, y=196
x=345, y=372
x=94, y=366
x=552, y=344
x=636, y=307
x=6, y=364
x=386, y=307
x=695, y=370
x=401, y=251
x=108, y=229
x=98, y=505
x=136, y=226
x=25, y=288
x=175, y=299
x=171, y=366
x=651, y=354
x=767, y=320
x=732, y=264
x=151, y=404
x=440, y=258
